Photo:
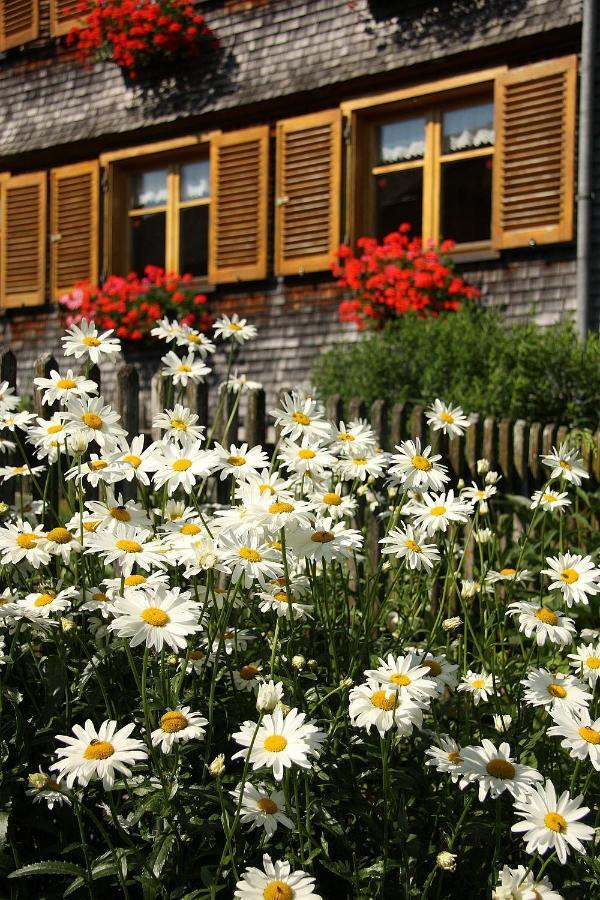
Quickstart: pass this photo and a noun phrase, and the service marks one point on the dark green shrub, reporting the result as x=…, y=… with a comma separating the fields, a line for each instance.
x=471, y=358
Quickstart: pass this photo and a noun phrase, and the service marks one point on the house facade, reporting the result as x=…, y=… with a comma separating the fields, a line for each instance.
x=316, y=122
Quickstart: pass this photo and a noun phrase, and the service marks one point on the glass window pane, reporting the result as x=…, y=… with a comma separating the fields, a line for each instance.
x=468, y=128
x=149, y=188
x=398, y=199
x=147, y=241
x=466, y=200
x=193, y=240
x=195, y=180
x=401, y=141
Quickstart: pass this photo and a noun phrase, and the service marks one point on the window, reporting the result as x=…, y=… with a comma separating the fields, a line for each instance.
x=168, y=217
x=434, y=170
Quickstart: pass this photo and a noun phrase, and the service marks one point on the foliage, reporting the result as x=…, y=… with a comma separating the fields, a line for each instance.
x=132, y=306
x=474, y=359
x=138, y=33
x=396, y=276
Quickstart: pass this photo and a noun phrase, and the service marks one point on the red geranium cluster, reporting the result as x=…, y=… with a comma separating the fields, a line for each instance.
x=132, y=306
x=397, y=276
x=135, y=33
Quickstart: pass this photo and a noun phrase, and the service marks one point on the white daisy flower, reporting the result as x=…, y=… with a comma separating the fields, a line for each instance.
x=22, y=541
x=520, y=884
x=49, y=602
x=101, y=754
x=126, y=546
x=98, y=601
x=301, y=417
x=361, y=466
x=166, y=618
x=232, y=640
x=566, y=464
x=275, y=599
x=406, y=542
x=182, y=465
x=261, y=808
x=195, y=341
x=479, y=684
x=97, y=469
x=576, y=576
x=436, y=512
x=445, y=757
x=94, y=418
x=507, y=574
x=178, y=725
x=543, y=688
x=406, y=675
x=179, y=423
x=449, y=419
x=307, y=456
x=543, y=623
x=586, y=661
x=85, y=340
x=136, y=582
x=239, y=461
x=333, y=503
x=550, y=500
x=8, y=398
x=8, y=472
x=14, y=420
x=326, y=540
x=133, y=461
x=477, y=495
x=415, y=468
x=551, y=823
x=276, y=882
x=167, y=331
x=234, y=329
x=115, y=510
x=280, y=742
x=238, y=383
x=45, y=789
x=355, y=438
x=250, y=559
x=440, y=669
x=60, y=387
x=268, y=482
x=581, y=733
x=181, y=370
x=495, y=771
x=246, y=678
x=372, y=704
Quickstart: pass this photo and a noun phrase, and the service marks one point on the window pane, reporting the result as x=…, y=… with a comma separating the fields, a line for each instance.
x=401, y=141
x=195, y=180
x=468, y=128
x=193, y=240
x=149, y=188
x=466, y=201
x=147, y=241
x=398, y=199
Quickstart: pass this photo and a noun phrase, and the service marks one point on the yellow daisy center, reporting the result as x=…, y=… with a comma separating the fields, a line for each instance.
x=565, y=465
x=134, y=580
x=281, y=507
x=100, y=597
x=322, y=537
x=557, y=690
x=27, y=541
x=266, y=489
x=195, y=655
x=190, y=528
x=44, y=599
x=275, y=743
x=236, y=460
x=92, y=420
x=437, y=510
x=133, y=460
x=306, y=453
x=18, y=470
x=400, y=679
x=278, y=890
x=98, y=750
x=546, y=616
x=233, y=326
x=184, y=368
x=332, y=499
x=249, y=554
x=60, y=536
x=549, y=498
x=90, y=341
x=91, y=524
x=593, y=662
x=268, y=806
x=590, y=735
x=173, y=721
x=281, y=596
x=120, y=513
x=247, y=673
x=154, y=616
x=96, y=464
x=383, y=700
x=555, y=822
x=66, y=384
x=507, y=573
x=569, y=576
x=500, y=768
x=54, y=429
x=433, y=666
x=478, y=684
x=301, y=418
x=346, y=436
x=179, y=424
x=412, y=545
x=181, y=465
x=447, y=418
x=359, y=461
x=421, y=463
x=454, y=757
x=128, y=546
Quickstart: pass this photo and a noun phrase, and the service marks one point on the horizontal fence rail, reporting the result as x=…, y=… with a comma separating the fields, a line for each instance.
x=513, y=448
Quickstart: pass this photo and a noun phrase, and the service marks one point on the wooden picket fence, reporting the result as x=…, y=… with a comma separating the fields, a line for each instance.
x=512, y=447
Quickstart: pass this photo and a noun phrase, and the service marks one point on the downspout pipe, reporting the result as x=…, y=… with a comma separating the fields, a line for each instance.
x=585, y=196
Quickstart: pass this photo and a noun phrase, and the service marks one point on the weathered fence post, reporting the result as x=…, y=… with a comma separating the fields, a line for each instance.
x=379, y=422
x=256, y=417
x=396, y=425
x=128, y=398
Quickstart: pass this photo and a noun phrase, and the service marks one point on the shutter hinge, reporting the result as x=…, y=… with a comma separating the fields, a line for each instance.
x=104, y=180
x=348, y=131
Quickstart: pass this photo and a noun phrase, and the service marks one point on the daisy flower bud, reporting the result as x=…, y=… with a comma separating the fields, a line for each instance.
x=452, y=623
x=484, y=508
x=67, y=625
x=460, y=484
x=446, y=860
x=78, y=441
x=502, y=723
x=4, y=508
x=298, y=662
x=387, y=565
x=391, y=621
x=312, y=664
x=217, y=766
x=492, y=477
x=269, y=695
x=483, y=466
x=37, y=780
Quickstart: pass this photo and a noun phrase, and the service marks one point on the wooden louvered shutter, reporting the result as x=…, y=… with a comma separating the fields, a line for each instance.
x=535, y=149
x=307, y=192
x=239, y=166
x=63, y=15
x=19, y=22
x=23, y=264
x=74, y=199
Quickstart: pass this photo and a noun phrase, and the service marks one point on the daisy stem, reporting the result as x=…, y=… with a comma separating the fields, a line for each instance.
x=386, y=794
x=298, y=819
x=84, y=847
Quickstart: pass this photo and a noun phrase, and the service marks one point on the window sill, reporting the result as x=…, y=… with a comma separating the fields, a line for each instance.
x=469, y=256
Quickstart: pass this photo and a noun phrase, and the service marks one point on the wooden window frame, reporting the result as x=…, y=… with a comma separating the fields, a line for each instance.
x=35, y=297
x=25, y=35
x=61, y=28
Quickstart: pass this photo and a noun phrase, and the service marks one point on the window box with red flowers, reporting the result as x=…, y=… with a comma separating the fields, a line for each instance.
x=132, y=306
x=136, y=34
x=397, y=276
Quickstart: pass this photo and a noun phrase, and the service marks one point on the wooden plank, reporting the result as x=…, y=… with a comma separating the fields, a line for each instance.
x=256, y=417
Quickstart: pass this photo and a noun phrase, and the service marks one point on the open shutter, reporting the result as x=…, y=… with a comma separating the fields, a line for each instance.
x=239, y=165
x=307, y=192
x=19, y=22
x=23, y=264
x=63, y=15
x=74, y=198
x=535, y=149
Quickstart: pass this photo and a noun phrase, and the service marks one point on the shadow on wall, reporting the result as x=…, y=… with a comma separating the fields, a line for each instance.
x=446, y=19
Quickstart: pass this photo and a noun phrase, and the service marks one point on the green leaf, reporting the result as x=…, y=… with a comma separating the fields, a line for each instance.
x=48, y=867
